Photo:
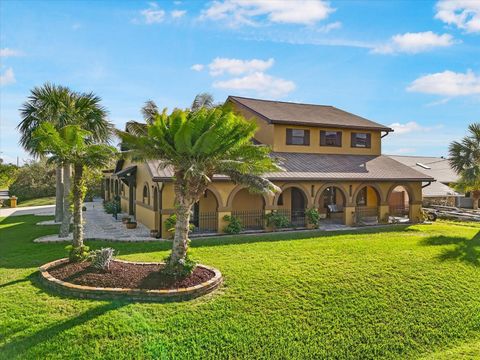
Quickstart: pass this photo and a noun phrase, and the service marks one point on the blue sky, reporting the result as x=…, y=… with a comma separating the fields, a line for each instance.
x=412, y=65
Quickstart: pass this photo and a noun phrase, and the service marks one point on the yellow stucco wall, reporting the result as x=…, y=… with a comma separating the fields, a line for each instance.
x=264, y=132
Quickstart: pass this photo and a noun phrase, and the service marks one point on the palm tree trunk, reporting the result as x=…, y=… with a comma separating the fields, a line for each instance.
x=180, y=239
x=475, y=198
x=77, y=206
x=59, y=195
x=65, y=227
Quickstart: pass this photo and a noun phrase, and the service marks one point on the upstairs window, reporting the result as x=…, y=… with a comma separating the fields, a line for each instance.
x=330, y=138
x=298, y=137
x=361, y=140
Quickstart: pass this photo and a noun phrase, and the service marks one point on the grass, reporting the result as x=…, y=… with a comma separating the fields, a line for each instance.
x=49, y=200
x=402, y=292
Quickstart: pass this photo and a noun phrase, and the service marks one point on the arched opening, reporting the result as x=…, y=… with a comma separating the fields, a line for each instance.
x=331, y=204
x=249, y=209
x=146, y=194
x=292, y=203
x=367, y=202
x=399, y=200
x=204, y=215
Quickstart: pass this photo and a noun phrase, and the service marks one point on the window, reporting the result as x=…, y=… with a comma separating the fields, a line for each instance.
x=280, y=199
x=361, y=140
x=330, y=138
x=146, y=195
x=298, y=137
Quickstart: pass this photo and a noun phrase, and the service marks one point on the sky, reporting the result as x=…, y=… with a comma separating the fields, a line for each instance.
x=412, y=65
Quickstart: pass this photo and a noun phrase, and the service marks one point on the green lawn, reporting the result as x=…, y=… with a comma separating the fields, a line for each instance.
x=49, y=200
x=402, y=292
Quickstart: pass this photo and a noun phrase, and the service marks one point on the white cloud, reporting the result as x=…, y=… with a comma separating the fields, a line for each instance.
x=402, y=151
x=263, y=84
x=329, y=27
x=414, y=43
x=197, y=67
x=178, y=13
x=153, y=15
x=220, y=66
x=464, y=14
x=6, y=52
x=447, y=83
x=8, y=77
x=247, y=12
x=405, y=128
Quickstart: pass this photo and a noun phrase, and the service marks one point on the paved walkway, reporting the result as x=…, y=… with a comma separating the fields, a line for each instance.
x=28, y=210
x=102, y=226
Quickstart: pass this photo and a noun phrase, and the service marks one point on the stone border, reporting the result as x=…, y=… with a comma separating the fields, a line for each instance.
x=98, y=293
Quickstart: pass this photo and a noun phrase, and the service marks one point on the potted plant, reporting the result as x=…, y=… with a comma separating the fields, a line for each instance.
x=155, y=233
x=131, y=224
x=125, y=219
x=277, y=221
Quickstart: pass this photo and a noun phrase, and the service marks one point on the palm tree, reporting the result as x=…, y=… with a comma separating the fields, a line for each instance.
x=465, y=160
x=197, y=145
x=60, y=106
x=202, y=100
x=73, y=145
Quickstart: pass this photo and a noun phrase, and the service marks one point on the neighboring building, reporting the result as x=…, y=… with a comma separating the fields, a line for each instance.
x=440, y=192
x=332, y=161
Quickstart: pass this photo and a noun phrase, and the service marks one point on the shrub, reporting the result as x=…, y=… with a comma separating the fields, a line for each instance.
x=34, y=180
x=101, y=259
x=234, y=225
x=171, y=222
x=313, y=216
x=112, y=207
x=77, y=254
x=277, y=221
x=185, y=266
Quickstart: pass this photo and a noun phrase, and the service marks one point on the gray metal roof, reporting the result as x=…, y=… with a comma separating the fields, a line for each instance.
x=306, y=114
x=301, y=166
x=440, y=169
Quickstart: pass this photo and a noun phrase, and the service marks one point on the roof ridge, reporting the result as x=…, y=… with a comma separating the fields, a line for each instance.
x=280, y=101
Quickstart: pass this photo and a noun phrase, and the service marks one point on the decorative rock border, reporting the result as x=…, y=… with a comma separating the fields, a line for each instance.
x=89, y=292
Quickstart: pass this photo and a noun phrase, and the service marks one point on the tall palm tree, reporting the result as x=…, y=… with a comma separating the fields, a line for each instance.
x=465, y=160
x=60, y=106
x=197, y=145
x=202, y=100
x=74, y=145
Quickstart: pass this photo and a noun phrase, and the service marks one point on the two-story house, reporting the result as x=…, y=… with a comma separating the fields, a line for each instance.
x=332, y=161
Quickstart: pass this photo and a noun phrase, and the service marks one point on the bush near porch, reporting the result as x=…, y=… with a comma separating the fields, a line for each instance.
x=399, y=292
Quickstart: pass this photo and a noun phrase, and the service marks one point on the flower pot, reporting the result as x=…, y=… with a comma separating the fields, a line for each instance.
x=131, y=225
x=125, y=219
x=154, y=233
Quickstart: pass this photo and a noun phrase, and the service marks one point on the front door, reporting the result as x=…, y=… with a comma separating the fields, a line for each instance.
x=297, y=207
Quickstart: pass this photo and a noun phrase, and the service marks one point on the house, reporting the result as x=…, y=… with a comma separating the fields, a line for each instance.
x=331, y=159
x=440, y=192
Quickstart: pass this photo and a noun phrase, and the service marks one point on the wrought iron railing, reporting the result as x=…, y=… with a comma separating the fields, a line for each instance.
x=205, y=222
x=251, y=219
x=366, y=214
x=296, y=217
x=399, y=210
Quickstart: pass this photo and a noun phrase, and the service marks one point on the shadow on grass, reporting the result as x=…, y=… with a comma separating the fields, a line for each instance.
x=464, y=249
x=18, y=347
x=13, y=282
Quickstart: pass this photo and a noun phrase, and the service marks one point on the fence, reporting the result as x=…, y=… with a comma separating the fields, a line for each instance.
x=364, y=214
x=251, y=219
x=399, y=210
x=296, y=217
x=206, y=222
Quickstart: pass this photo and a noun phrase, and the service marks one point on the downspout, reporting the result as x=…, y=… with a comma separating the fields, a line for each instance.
x=160, y=189
x=427, y=184
x=388, y=132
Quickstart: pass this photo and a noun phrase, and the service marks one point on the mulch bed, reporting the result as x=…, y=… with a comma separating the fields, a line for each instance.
x=127, y=275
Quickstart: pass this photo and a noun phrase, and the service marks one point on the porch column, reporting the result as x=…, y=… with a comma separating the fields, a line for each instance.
x=221, y=222
x=349, y=215
x=383, y=212
x=415, y=214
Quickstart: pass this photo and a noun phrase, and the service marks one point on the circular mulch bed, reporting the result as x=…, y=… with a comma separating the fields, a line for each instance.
x=126, y=279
